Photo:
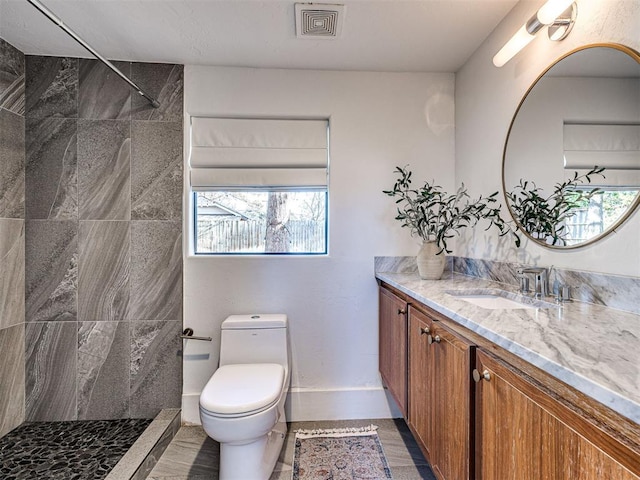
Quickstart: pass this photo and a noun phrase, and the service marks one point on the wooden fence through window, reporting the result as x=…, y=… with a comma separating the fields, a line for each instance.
x=248, y=236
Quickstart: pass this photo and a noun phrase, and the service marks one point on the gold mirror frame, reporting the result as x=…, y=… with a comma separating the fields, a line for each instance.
x=634, y=55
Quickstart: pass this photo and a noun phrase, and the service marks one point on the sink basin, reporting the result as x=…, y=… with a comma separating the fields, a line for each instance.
x=495, y=299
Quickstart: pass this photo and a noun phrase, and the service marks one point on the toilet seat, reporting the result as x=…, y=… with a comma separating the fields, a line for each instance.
x=242, y=389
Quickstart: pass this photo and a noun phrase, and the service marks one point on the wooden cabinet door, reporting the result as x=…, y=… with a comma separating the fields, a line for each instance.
x=452, y=390
x=440, y=395
x=392, y=343
x=421, y=371
x=524, y=433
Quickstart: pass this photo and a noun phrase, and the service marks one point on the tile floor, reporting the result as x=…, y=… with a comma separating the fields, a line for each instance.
x=74, y=450
x=191, y=455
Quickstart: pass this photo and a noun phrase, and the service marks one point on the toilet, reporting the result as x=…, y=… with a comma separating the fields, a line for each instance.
x=242, y=404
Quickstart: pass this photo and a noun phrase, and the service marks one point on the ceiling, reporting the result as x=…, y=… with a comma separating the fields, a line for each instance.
x=391, y=35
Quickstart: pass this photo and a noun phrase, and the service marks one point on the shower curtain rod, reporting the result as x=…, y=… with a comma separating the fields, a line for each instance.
x=51, y=16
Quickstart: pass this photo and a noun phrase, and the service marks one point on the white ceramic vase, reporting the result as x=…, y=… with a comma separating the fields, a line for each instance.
x=430, y=265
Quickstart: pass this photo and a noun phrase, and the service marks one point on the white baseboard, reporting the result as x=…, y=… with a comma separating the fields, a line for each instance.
x=316, y=404
x=340, y=404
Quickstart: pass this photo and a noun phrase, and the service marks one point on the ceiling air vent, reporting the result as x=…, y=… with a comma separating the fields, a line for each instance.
x=317, y=21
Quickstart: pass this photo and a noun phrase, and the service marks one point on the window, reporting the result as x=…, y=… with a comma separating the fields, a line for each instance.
x=615, y=148
x=259, y=186
x=261, y=222
x=599, y=214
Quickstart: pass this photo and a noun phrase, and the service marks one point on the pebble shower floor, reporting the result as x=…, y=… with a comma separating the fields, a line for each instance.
x=76, y=450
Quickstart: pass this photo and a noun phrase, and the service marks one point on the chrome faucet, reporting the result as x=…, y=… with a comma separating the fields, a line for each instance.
x=541, y=288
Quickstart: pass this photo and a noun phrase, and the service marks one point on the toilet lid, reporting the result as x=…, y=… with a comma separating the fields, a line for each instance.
x=242, y=388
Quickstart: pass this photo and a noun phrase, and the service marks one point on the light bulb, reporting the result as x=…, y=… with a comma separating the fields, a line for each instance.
x=520, y=40
x=551, y=10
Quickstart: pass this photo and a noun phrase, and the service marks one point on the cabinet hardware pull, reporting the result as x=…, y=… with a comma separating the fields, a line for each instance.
x=435, y=339
x=477, y=376
x=401, y=311
x=424, y=331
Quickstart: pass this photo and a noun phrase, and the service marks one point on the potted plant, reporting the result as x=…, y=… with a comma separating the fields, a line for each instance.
x=437, y=216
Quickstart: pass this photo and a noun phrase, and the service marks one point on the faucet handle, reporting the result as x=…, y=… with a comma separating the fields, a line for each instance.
x=564, y=294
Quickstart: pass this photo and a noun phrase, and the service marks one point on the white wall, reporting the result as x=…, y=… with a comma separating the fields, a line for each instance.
x=377, y=121
x=486, y=99
x=536, y=141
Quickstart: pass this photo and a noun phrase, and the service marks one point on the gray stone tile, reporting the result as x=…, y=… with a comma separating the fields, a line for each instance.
x=156, y=270
x=11, y=78
x=281, y=475
x=400, y=448
x=156, y=170
x=12, y=254
x=12, y=148
x=104, y=182
x=103, y=271
x=156, y=367
x=422, y=472
x=184, y=477
x=51, y=171
x=51, y=86
x=50, y=353
x=103, y=370
x=190, y=455
x=11, y=378
x=156, y=452
x=102, y=93
x=284, y=465
x=165, y=83
x=181, y=477
x=143, y=455
x=51, y=270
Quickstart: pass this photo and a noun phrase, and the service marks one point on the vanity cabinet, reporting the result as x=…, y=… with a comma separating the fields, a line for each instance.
x=440, y=390
x=480, y=412
x=524, y=432
x=392, y=343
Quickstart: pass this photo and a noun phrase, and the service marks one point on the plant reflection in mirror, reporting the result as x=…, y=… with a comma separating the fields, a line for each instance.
x=435, y=215
x=544, y=217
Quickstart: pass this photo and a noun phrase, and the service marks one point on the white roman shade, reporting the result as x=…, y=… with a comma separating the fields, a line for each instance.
x=614, y=147
x=239, y=153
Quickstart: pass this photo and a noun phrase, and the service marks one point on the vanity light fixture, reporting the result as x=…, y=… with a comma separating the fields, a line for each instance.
x=549, y=15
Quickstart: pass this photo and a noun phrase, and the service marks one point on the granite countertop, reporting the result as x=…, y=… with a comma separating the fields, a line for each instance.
x=594, y=349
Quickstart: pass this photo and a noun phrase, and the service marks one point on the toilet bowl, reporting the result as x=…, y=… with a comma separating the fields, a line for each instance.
x=242, y=404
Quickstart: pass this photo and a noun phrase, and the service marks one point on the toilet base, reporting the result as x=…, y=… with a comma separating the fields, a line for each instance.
x=255, y=460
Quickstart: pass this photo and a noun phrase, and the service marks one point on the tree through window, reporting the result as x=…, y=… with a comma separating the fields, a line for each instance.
x=254, y=222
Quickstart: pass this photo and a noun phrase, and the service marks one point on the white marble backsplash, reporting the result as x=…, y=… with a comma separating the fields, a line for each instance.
x=613, y=291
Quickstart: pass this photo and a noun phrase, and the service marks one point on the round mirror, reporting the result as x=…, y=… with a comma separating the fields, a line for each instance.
x=571, y=165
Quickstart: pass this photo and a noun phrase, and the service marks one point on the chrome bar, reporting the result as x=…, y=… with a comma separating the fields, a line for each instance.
x=51, y=16
x=188, y=334
x=191, y=337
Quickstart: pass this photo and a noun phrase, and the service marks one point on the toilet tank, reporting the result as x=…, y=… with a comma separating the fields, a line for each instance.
x=255, y=339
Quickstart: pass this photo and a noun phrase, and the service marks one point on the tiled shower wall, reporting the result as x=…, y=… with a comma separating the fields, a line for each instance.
x=103, y=240
x=12, y=375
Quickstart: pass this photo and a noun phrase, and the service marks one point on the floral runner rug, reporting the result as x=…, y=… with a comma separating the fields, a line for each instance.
x=339, y=454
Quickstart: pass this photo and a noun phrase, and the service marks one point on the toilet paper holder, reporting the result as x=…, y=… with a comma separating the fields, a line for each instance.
x=188, y=334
